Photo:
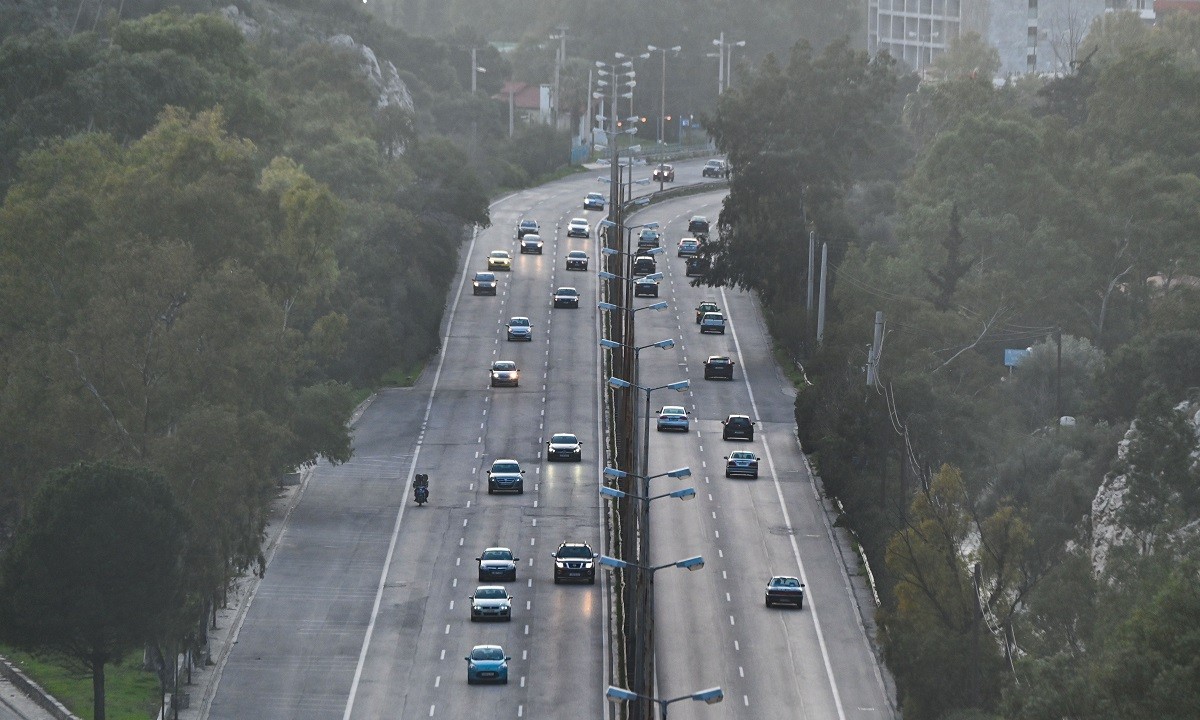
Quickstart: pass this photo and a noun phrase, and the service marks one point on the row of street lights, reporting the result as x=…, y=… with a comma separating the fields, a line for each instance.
x=635, y=537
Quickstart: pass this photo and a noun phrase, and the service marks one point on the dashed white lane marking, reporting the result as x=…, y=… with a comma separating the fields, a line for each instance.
x=431, y=709
x=443, y=654
x=737, y=646
x=451, y=604
x=731, y=622
x=447, y=629
x=465, y=520
x=741, y=671
x=437, y=681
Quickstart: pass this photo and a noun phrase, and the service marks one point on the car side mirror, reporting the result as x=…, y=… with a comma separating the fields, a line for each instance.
x=595, y=555
x=725, y=456
x=507, y=658
x=478, y=559
x=553, y=556
x=468, y=660
x=522, y=472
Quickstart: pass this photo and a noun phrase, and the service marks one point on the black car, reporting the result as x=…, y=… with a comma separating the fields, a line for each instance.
x=715, y=169
x=564, y=446
x=737, y=426
x=718, y=367
x=644, y=264
x=577, y=260
x=645, y=287
x=497, y=563
x=593, y=201
x=574, y=561
x=566, y=297
x=505, y=476
x=649, y=238
x=697, y=266
x=663, y=173
x=528, y=227
x=531, y=243
x=484, y=283
x=698, y=224
x=785, y=590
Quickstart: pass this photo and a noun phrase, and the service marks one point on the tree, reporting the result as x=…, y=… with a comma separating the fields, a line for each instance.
x=792, y=134
x=936, y=642
x=95, y=567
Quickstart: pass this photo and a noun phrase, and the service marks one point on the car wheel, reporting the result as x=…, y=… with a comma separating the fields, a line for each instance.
x=800, y=605
x=470, y=681
x=754, y=476
x=557, y=580
x=513, y=577
x=472, y=618
x=727, y=475
x=491, y=490
x=504, y=681
x=579, y=457
x=517, y=383
x=750, y=437
x=592, y=580
x=724, y=436
x=520, y=491
x=767, y=602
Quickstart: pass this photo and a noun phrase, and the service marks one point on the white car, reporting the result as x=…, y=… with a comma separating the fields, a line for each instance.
x=520, y=329
x=578, y=227
x=673, y=417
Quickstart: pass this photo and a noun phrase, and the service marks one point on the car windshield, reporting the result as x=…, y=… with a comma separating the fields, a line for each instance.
x=491, y=593
x=708, y=307
x=578, y=221
x=519, y=322
x=689, y=242
x=529, y=223
x=738, y=421
x=567, y=291
x=717, y=360
x=499, y=253
x=787, y=582
x=497, y=555
x=673, y=410
x=575, y=551
x=504, y=365
x=484, y=276
x=564, y=439
x=595, y=196
x=488, y=653
x=506, y=467
x=577, y=254
x=741, y=455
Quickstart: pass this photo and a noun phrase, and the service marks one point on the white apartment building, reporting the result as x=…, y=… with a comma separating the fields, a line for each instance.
x=1039, y=36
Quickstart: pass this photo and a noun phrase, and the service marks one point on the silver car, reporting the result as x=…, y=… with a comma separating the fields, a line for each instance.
x=491, y=602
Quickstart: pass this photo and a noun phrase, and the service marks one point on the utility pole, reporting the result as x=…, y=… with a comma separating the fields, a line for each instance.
x=1058, y=411
x=823, y=298
x=721, y=64
x=812, y=251
x=876, y=348
x=560, y=59
x=474, y=65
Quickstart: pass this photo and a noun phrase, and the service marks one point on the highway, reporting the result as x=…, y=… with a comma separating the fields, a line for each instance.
x=363, y=612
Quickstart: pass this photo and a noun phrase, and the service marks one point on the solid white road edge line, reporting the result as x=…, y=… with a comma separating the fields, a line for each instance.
x=787, y=520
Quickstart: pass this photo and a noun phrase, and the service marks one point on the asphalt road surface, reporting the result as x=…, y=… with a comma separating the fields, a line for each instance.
x=364, y=611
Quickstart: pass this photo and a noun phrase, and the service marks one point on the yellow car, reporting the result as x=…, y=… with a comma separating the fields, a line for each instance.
x=499, y=260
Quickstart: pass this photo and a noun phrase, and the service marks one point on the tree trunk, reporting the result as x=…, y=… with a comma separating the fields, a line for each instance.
x=98, y=688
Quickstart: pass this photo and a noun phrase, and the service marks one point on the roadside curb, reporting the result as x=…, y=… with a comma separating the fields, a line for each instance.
x=33, y=691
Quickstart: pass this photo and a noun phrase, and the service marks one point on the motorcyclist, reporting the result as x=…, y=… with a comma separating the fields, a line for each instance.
x=421, y=488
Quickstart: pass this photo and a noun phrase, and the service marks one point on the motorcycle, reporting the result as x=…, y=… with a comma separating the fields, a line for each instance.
x=421, y=489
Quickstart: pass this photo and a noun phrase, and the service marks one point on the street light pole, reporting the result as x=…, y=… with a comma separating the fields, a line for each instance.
x=662, y=107
x=643, y=670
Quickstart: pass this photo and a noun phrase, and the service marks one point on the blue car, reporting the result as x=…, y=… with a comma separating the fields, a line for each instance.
x=487, y=664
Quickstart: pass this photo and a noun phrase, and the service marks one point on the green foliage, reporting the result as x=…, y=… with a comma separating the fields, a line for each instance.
x=940, y=649
x=791, y=134
x=95, y=568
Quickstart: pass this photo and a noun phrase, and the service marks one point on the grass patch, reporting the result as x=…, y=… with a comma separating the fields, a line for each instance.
x=402, y=375
x=130, y=692
x=784, y=360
